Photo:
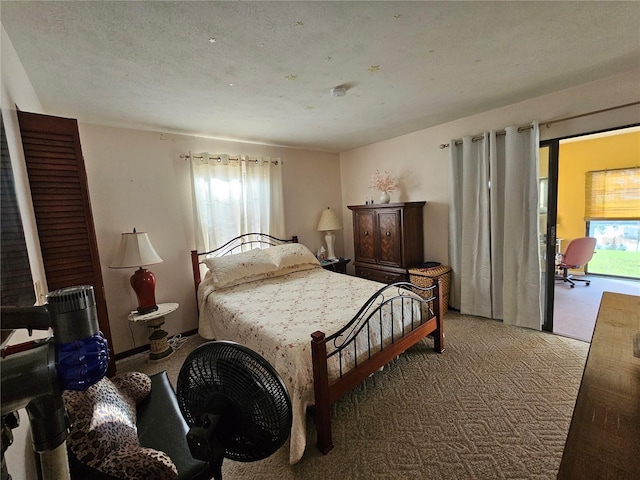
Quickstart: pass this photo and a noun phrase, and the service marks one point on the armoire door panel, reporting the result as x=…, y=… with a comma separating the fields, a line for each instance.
x=365, y=247
x=389, y=238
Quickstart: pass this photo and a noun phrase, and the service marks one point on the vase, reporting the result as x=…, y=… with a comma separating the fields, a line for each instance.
x=384, y=197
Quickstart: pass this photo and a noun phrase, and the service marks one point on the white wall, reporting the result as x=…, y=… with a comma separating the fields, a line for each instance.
x=136, y=179
x=423, y=167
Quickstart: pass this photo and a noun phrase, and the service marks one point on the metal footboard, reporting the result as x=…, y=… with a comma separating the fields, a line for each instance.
x=367, y=355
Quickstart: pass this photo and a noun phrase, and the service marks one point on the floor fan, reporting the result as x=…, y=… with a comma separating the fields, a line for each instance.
x=234, y=402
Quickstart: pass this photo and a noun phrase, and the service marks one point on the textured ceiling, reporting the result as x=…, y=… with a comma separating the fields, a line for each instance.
x=263, y=71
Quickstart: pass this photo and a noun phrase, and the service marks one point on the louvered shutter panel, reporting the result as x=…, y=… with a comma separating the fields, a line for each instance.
x=16, y=287
x=62, y=208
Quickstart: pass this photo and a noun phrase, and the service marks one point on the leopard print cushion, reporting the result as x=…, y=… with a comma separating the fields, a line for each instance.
x=135, y=385
x=139, y=464
x=104, y=435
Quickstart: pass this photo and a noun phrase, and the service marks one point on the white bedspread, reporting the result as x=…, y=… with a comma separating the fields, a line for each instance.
x=276, y=316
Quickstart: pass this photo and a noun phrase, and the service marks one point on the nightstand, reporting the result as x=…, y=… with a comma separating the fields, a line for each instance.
x=339, y=265
x=160, y=348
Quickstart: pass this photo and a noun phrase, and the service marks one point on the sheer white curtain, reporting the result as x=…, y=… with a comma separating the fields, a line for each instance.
x=232, y=196
x=493, y=226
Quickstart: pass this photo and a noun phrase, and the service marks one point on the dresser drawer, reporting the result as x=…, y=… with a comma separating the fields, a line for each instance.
x=380, y=275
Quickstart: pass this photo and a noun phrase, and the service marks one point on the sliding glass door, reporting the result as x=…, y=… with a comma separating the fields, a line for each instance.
x=547, y=215
x=617, y=229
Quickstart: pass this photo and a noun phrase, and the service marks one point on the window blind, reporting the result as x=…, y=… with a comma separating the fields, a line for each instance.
x=16, y=283
x=612, y=194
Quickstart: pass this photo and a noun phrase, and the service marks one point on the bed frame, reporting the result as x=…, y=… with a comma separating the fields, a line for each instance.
x=369, y=317
x=239, y=244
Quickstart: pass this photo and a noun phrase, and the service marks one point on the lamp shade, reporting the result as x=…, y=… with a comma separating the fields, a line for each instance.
x=329, y=221
x=135, y=250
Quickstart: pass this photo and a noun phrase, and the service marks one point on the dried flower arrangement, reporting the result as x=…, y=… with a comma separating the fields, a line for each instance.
x=383, y=182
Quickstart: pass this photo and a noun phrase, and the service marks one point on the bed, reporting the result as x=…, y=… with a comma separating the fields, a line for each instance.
x=324, y=332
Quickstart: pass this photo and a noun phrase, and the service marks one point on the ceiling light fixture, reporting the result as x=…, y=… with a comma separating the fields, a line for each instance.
x=339, y=91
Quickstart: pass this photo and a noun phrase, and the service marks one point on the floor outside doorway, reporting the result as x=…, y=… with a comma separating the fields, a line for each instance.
x=575, y=309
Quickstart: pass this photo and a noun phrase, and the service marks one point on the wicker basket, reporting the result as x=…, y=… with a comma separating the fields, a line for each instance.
x=425, y=277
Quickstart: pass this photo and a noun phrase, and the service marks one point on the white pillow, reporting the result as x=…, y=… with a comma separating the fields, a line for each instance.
x=238, y=268
x=292, y=255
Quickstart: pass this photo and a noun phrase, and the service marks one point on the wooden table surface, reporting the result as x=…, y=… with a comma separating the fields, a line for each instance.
x=604, y=436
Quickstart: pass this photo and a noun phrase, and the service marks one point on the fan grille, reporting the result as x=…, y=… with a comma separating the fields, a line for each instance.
x=230, y=380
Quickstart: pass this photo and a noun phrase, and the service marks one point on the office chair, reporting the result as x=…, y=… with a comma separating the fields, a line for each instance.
x=578, y=253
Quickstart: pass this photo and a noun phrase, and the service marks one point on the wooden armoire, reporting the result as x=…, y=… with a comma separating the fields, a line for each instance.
x=388, y=239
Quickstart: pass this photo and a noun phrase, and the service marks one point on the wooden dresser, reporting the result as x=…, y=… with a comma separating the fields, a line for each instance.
x=388, y=239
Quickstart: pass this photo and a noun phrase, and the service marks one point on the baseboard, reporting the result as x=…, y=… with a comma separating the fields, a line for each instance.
x=144, y=348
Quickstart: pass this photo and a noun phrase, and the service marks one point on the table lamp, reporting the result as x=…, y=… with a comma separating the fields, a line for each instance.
x=329, y=222
x=136, y=251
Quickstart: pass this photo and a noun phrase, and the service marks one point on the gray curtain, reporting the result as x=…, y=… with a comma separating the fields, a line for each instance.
x=493, y=226
x=469, y=236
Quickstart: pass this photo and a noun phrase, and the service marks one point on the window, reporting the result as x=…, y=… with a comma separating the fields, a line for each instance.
x=617, y=248
x=233, y=196
x=16, y=283
x=612, y=212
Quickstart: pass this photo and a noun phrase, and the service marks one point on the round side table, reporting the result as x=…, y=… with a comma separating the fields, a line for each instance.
x=160, y=348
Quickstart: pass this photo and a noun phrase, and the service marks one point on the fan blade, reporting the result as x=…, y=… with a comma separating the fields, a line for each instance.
x=243, y=391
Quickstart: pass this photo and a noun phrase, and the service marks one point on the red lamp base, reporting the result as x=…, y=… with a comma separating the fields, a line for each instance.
x=144, y=284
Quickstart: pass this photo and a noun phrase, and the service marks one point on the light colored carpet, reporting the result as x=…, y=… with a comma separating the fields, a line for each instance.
x=495, y=405
x=575, y=309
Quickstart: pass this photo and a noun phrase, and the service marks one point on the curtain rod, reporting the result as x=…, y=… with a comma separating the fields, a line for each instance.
x=548, y=123
x=219, y=159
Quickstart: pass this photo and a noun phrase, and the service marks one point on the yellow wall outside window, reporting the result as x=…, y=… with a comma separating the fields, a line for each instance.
x=579, y=157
